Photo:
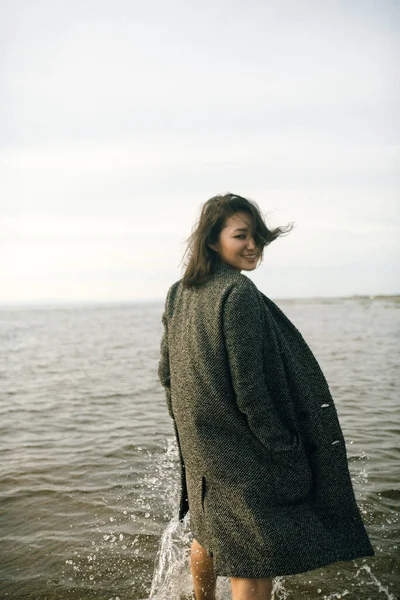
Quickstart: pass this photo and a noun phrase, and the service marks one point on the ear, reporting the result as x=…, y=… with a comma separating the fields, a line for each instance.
x=213, y=247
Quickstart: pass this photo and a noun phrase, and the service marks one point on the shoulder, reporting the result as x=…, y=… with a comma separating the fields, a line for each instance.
x=243, y=298
x=173, y=288
x=171, y=293
x=243, y=287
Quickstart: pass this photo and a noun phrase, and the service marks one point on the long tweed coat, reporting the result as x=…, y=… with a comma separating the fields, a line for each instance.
x=264, y=471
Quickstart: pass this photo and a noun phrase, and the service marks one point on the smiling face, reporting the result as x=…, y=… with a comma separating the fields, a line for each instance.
x=236, y=246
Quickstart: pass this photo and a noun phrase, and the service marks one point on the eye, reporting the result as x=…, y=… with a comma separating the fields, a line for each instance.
x=240, y=235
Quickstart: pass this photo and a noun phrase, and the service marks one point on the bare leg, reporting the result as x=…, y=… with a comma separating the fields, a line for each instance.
x=202, y=568
x=251, y=589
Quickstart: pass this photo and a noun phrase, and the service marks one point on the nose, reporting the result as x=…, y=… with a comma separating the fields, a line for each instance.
x=251, y=244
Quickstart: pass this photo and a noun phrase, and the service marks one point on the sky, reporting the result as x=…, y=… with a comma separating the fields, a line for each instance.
x=120, y=119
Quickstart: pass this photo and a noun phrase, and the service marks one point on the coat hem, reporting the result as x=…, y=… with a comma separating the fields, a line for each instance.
x=277, y=572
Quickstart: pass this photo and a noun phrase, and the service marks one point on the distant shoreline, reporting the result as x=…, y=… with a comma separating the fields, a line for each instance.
x=115, y=303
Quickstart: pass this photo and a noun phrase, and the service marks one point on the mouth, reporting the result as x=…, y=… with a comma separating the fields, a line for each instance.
x=249, y=256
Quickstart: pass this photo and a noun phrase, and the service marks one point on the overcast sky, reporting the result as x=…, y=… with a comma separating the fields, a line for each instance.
x=120, y=119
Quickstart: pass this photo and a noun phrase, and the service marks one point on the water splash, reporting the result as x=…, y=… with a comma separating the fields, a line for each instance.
x=381, y=588
x=172, y=576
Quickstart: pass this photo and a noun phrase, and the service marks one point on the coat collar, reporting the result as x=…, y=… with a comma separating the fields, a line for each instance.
x=221, y=267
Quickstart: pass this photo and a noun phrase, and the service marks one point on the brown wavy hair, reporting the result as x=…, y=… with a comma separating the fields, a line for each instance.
x=206, y=230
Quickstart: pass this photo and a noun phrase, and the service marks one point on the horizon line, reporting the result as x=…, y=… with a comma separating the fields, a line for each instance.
x=43, y=302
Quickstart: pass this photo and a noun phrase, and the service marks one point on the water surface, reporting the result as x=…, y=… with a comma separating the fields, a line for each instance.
x=89, y=464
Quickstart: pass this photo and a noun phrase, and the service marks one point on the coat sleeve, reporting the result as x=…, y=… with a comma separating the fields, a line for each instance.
x=243, y=332
x=163, y=364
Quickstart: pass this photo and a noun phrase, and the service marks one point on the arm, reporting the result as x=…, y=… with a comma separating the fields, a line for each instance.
x=243, y=330
x=163, y=364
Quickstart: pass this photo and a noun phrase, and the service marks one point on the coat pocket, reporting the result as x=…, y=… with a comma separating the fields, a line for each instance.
x=291, y=473
x=296, y=443
x=203, y=491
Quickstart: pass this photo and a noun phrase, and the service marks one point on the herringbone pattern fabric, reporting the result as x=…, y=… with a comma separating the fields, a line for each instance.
x=264, y=472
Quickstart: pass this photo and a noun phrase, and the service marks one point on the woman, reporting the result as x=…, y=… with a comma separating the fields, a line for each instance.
x=264, y=473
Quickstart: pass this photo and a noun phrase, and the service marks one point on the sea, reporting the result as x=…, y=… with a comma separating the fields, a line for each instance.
x=89, y=469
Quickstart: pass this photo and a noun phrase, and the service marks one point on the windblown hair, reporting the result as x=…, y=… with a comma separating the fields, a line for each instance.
x=214, y=214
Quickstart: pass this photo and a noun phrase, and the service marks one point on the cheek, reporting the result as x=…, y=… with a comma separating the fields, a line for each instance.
x=236, y=246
